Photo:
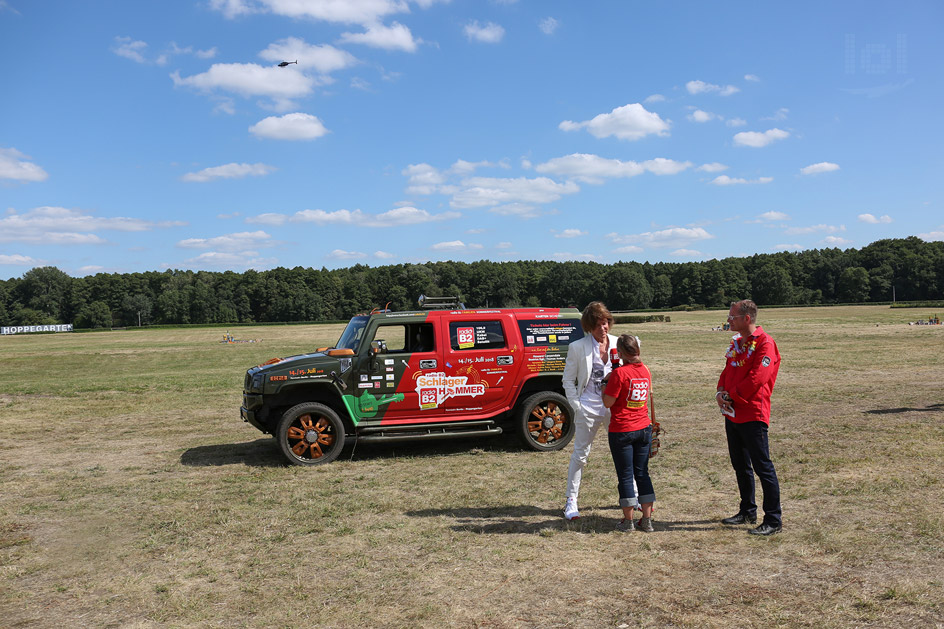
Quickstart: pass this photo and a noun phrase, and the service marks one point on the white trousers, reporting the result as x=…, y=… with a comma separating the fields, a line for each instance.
x=586, y=427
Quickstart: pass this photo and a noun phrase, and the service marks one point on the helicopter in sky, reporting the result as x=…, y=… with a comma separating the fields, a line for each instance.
x=288, y=63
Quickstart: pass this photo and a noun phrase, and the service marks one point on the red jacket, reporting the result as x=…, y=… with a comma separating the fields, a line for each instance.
x=750, y=372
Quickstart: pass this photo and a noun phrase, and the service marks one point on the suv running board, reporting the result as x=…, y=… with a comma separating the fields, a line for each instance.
x=411, y=432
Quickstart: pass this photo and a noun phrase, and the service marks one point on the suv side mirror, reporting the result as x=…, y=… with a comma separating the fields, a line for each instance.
x=378, y=346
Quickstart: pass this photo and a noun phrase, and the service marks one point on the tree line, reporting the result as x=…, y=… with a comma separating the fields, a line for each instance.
x=907, y=269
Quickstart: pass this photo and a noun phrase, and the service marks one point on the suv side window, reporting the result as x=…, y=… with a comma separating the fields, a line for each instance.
x=403, y=338
x=476, y=335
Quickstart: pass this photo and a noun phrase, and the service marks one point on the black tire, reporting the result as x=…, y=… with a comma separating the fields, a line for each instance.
x=546, y=421
x=310, y=434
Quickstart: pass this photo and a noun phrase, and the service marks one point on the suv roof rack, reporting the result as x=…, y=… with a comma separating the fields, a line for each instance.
x=440, y=303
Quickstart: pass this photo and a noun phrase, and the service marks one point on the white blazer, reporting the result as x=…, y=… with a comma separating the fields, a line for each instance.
x=578, y=367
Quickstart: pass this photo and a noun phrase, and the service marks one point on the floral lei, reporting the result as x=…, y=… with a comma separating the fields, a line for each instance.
x=734, y=349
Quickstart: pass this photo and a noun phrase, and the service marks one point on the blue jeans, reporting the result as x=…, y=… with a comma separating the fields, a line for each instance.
x=750, y=453
x=631, y=456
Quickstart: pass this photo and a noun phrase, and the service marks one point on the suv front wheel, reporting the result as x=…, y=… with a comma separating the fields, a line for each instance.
x=546, y=421
x=310, y=434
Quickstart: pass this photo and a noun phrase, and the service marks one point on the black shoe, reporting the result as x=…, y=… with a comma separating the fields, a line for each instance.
x=740, y=518
x=766, y=529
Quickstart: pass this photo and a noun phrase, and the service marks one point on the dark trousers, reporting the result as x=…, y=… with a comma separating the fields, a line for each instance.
x=631, y=456
x=747, y=445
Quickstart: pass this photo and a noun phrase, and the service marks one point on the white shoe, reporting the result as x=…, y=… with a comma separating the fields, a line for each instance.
x=570, y=509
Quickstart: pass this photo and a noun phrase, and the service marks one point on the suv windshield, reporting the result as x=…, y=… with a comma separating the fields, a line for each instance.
x=353, y=333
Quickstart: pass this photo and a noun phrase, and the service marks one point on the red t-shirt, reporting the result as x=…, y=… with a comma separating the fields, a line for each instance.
x=630, y=385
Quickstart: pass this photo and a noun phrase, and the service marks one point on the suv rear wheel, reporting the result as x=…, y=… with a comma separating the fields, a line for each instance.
x=546, y=421
x=310, y=434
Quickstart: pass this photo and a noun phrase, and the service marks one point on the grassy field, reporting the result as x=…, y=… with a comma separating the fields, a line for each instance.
x=132, y=495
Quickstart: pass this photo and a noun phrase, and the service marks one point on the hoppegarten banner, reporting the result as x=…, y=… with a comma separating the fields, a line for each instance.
x=26, y=329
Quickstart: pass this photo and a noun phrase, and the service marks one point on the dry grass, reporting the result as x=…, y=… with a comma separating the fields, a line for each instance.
x=132, y=495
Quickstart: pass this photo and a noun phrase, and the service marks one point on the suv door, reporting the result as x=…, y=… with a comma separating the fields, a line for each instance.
x=481, y=361
x=386, y=377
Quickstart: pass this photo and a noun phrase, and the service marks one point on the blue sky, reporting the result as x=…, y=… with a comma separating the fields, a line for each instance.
x=147, y=135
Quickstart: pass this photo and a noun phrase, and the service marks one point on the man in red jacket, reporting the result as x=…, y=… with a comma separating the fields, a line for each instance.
x=744, y=388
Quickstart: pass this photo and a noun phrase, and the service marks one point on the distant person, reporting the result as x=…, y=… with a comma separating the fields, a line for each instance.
x=750, y=372
x=628, y=395
x=588, y=362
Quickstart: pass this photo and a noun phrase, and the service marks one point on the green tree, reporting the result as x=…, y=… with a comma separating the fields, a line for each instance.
x=94, y=315
x=771, y=285
x=46, y=289
x=854, y=284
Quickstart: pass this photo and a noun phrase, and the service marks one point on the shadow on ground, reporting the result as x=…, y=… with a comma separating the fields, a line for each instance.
x=265, y=452
x=892, y=411
x=516, y=519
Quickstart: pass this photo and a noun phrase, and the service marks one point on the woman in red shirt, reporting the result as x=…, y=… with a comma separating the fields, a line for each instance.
x=627, y=396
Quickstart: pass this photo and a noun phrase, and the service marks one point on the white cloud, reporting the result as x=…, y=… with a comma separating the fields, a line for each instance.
x=724, y=180
x=757, y=139
x=548, y=25
x=736, y=122
x=455, y=246
x=671, y=237
x=270, y=218
x=229, y=171
x=870, y=218
x=594, y=169
x=14, y=165
x=786, y=247
x=570, y=233
x=408, y=216
x=686, y=253
x=812, y=229
x=821, y=167
x=176, y=50
x=780, y=114
x=629, y=122
x=564, y=256
x=462, y=167
x=230, y=260
x=231, y=242
x=17, y=260
x=699, y=87
x=713, y=167
x=774, y=216
x=423, y=178
x=932, y=236
x=503, y=245
x=324, y=58
x=752, y=78
x=519, y=210
x=835, y=241
x=130, y=49
x=393, y=218
x=61, y=226
x=251, y=80
x=296, y=126
x=703, y=116
x=341, y=11
x=629, y=249
x=654, y=98
x=489, y=33
x=486, y=191
x=383, y=255
x=393, y=37
x=341, y=254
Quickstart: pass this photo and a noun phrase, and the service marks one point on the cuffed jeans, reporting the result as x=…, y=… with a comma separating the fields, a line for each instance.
x=750, y=454
x=631, y=456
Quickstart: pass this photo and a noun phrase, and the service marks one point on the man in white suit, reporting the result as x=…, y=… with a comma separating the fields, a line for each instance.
x=588, y=362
